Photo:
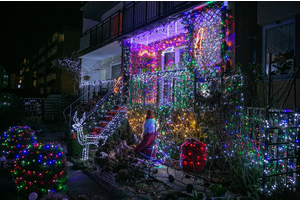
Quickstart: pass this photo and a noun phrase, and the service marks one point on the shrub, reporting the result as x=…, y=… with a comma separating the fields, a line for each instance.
x=40, y=168
x=15, y=139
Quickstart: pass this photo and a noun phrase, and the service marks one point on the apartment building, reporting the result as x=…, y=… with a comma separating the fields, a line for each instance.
x=41, y=76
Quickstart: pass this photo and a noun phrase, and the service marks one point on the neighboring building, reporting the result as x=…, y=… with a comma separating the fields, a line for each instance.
x=42, y=76
x=41, y=83
x=280, y=23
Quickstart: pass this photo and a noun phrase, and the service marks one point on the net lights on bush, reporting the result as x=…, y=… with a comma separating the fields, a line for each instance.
x=16, y=138
x=40, y=168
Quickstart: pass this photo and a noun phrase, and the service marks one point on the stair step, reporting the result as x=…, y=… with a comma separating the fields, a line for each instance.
x=99, y=127
x=111, y=116
x=114, y=111
x=104, y=122
x=93, y=133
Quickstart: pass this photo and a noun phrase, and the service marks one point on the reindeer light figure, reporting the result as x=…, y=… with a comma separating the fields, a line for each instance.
x=82, y=140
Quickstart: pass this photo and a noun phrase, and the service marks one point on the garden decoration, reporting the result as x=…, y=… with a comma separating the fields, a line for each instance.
x=146, y=147
x=193, y=155
x=15, y=139
x=40, y=168
x=101, y=121
x=33, y=196
x=192, y=162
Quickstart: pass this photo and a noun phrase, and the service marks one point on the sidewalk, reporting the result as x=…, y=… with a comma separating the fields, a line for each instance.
x=82, y=184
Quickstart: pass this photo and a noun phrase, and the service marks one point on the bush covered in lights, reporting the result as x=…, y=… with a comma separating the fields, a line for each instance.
x=15, y=139
x=40, y=168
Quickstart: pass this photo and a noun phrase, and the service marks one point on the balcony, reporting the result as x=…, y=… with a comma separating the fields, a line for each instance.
x=132, y=17
x=144, y=13
x=101, y=34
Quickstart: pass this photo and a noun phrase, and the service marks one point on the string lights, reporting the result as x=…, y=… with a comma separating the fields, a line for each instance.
x=40, y=168
x=17, y=138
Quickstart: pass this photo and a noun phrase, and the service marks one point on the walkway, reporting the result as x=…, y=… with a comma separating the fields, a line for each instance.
x=82, y=184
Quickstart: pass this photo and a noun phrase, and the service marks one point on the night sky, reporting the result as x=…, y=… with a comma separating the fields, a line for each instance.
x=26, y=26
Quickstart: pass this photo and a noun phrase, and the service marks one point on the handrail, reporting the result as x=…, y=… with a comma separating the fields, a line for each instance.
x=122, y=110
x=78, y=126
x=71, y=110
x=118, y=83
x=70, y=106
x=82, y=109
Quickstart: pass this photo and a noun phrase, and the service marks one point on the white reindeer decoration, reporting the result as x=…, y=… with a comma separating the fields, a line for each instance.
x=80, y=136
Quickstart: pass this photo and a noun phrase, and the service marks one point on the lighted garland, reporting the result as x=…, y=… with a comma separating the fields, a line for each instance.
x=280, y=158
x=126, y=71
x=177, y=88
x=15, y=139
x=40, y=168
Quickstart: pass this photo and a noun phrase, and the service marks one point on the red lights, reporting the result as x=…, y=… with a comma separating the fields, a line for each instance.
x=193, y=155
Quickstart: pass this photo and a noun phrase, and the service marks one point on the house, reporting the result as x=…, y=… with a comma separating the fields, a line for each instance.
x=176, y=55
x=156, y=43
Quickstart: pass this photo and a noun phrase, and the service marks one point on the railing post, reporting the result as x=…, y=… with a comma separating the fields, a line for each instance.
x=96, y=35
x=70, y=119
x=109, y=28
x=119, y=22
x=133, y=10
x=101, y=38
x=146, y=11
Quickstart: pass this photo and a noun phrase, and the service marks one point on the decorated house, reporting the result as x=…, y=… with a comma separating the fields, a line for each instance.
x=189, y=62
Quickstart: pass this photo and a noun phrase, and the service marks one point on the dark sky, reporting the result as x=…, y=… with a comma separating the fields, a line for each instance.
x=26, y=26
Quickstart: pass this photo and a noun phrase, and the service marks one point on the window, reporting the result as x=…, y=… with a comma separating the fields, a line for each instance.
x=171, y=58
x=116, y=71
x=279, y=40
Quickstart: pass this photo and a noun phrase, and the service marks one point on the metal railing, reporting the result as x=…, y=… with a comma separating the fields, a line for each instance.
x=79, y=102
x=118, y=83
x=143, y=13
x=135, y=15
x=86, y=140
x=108, y=29
x=83, y=99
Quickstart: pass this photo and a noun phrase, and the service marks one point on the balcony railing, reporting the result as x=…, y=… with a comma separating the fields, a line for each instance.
x=103, y=32
x=134, y=16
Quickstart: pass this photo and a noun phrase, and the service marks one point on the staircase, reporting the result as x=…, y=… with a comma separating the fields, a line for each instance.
x=100, y=121
x=108, y=118
x=82, y=104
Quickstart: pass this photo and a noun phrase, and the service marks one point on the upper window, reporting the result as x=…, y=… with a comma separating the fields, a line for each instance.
x=279, y=47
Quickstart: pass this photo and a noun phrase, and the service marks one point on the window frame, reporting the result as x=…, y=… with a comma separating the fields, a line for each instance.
x=264, y=40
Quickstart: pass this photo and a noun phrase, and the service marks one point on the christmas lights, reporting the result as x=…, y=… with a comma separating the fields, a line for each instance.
x=40, y=168
x=17, y=138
